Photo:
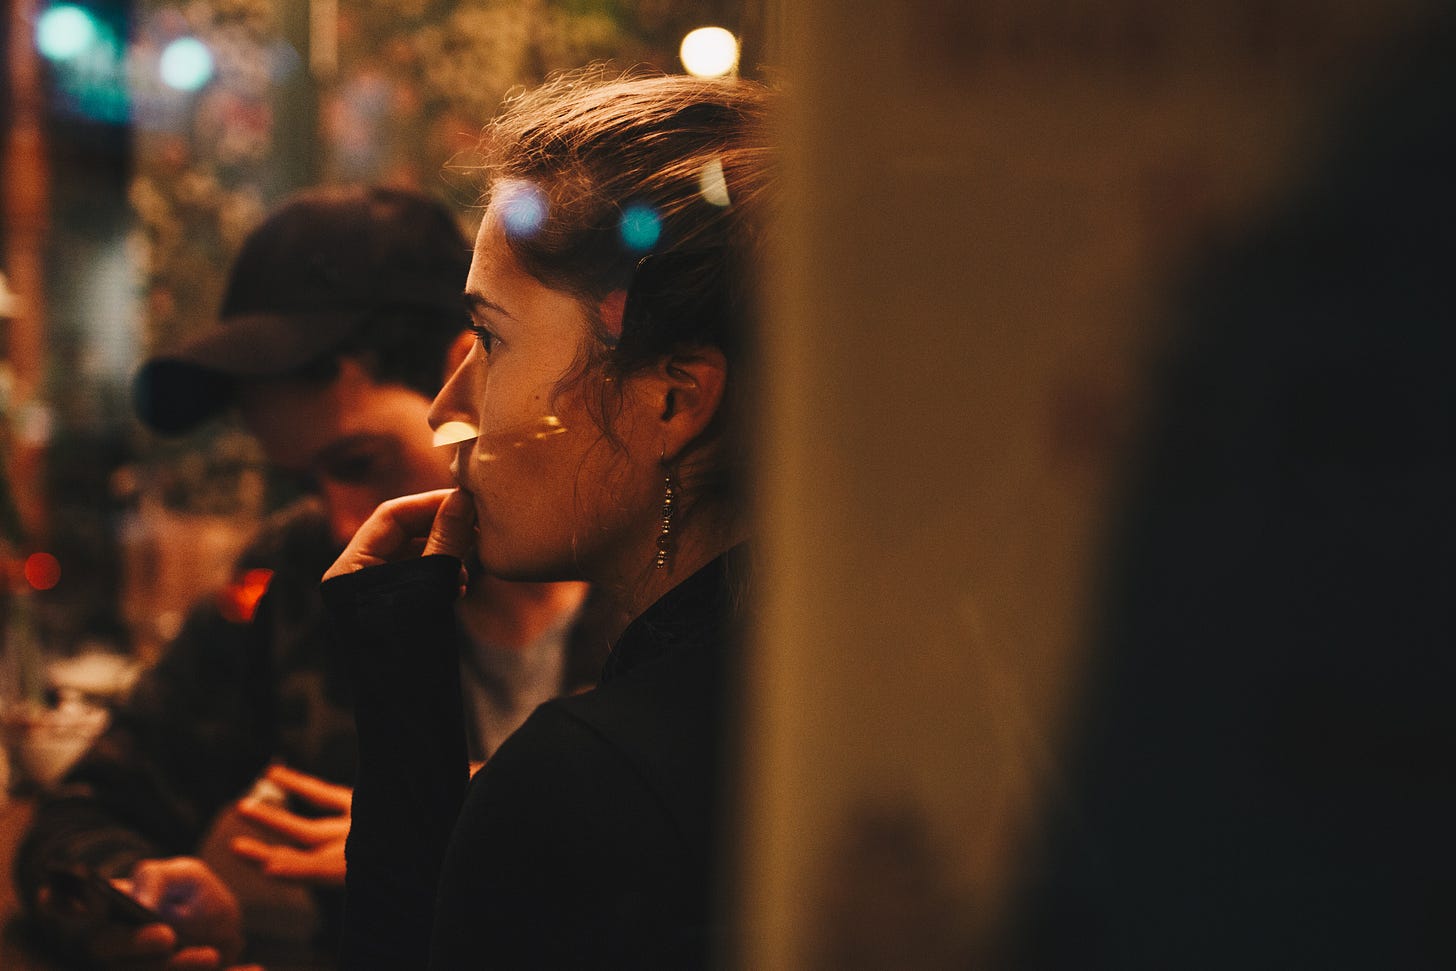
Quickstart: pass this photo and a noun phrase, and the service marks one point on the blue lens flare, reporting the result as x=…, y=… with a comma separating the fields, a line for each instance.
x=523, y=210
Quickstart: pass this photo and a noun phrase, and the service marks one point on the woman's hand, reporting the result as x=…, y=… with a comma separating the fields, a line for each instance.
x=442, y=521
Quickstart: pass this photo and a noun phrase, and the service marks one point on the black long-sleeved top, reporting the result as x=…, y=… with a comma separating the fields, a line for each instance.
x=587, y=841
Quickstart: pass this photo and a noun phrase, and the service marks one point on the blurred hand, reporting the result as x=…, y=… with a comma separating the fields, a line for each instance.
x=442, y=521
x=203, y=923
x=315, y=853
x=109, y=944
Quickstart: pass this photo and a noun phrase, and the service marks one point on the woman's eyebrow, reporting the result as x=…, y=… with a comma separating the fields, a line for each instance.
x=475, y=301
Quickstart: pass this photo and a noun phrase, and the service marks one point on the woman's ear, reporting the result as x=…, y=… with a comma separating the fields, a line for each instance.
x=613, y=307
x=690, y=387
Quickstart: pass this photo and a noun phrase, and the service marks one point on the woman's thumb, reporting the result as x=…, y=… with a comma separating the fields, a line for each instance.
x=453, y=532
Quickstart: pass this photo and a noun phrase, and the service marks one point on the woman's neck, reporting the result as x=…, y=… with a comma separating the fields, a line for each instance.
x=637, y=582
x=516, y=615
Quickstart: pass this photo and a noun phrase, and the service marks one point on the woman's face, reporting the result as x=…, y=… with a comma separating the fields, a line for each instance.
x=554, y=498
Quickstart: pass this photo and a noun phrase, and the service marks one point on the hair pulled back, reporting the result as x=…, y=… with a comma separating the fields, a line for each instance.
x=690, y=156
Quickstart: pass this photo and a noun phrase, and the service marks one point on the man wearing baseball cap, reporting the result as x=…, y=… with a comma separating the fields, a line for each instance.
x=341, y=317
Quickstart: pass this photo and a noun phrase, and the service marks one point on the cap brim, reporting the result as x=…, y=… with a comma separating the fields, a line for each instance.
x=176, y=391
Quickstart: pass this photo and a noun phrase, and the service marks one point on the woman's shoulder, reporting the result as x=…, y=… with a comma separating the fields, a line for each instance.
x=559, y=778
x=625, y=744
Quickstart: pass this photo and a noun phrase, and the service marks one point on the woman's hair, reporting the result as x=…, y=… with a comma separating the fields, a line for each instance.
x=657, y=185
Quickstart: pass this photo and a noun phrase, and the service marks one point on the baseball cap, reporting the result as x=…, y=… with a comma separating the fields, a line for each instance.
x=305, y=281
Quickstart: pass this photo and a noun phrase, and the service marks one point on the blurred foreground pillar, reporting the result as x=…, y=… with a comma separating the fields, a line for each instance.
x=991, y=207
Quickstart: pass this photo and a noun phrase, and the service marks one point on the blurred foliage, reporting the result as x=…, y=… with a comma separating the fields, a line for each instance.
x=418, y=79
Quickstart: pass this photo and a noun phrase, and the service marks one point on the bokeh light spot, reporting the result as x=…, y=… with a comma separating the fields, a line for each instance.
x=238, y=601
x=64, y=32
x=523, y=209
x=709, y=52
x=711, y=183
x=186, y=64
x=640, y=227
x=42, y=571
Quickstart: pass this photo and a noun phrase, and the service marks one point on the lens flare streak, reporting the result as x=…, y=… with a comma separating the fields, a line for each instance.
x=519, y=437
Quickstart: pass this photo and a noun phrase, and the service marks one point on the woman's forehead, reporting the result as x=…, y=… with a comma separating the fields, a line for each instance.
x=492, y=261
x=499, y=290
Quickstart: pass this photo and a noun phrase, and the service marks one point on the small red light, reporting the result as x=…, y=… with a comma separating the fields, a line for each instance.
x=239, y=600
x=42, y=571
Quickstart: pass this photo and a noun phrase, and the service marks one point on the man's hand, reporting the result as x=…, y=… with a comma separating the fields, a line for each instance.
x=316, y=852
x=201, y=928
x=442, y=521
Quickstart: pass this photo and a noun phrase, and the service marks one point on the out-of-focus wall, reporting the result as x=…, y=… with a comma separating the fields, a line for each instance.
x=993, y=211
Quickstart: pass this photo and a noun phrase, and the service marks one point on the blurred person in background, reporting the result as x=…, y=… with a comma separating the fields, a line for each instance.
x=342, y=315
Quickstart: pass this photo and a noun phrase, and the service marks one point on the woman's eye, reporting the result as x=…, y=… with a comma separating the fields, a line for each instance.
x=485, y=337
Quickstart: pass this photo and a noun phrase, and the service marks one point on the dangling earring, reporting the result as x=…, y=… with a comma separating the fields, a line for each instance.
x=664, y=538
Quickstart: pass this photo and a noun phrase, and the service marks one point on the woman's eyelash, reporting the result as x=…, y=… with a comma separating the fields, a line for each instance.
x=486, y=338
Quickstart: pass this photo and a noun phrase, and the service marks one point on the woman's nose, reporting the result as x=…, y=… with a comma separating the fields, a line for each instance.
x=452, y=413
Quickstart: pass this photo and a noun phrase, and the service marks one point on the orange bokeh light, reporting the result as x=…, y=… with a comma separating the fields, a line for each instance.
x=238, y=601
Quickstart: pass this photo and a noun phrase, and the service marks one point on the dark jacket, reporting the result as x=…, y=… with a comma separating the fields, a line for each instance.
x=589, y=840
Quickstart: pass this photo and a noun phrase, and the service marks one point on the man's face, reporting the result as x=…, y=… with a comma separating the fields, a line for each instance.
x=358, y=442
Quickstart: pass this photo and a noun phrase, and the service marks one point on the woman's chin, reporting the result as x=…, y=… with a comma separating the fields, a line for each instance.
x=500, y=563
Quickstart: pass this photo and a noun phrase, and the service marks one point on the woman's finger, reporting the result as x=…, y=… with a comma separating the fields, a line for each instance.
x=389, y=532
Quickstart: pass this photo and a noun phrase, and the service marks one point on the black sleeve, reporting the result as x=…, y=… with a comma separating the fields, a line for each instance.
x=397, y=623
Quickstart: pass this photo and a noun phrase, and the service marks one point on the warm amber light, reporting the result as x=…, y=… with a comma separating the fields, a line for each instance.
x=709, y=52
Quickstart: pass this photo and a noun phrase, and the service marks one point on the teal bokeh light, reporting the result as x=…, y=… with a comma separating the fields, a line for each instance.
x=186, y=64
x=640, y=227
x=89, y=62
x=64, y=32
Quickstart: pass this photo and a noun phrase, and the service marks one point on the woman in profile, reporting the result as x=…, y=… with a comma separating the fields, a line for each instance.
x=599, y=421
